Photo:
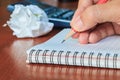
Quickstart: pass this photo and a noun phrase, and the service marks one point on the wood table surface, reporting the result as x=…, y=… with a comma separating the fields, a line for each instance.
x=13, y=64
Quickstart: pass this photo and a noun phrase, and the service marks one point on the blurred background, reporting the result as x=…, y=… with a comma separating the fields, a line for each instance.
x=58, y=3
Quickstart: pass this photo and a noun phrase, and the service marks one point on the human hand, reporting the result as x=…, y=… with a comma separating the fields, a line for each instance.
x=95, y=22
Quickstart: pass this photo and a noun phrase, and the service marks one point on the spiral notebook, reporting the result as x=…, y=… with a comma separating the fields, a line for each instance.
x=105, y=53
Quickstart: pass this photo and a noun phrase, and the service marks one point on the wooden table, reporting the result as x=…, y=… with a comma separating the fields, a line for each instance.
x=13, y=64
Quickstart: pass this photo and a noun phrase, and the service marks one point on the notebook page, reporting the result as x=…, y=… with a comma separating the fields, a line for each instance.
x=108, y=45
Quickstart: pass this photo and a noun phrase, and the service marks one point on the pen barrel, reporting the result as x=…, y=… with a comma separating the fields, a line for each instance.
x=72, y=32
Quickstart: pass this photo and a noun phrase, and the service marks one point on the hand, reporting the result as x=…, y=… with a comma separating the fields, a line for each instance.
x=96, y=21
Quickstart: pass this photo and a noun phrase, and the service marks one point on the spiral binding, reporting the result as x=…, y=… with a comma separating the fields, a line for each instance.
x=44, y=56
x=107, y=60
x=90, y=58
x=98, y=59
x=51, y=56
x=66, y=57
x=115, y=60
x=75, y=56
x=59, y=57
x=30, y=55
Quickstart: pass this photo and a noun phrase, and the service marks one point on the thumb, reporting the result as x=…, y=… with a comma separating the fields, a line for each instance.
x=95, y=14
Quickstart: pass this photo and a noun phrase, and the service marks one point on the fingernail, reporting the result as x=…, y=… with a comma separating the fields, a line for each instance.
x=78, y=23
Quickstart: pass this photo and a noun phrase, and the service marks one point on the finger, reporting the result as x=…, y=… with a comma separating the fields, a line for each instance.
x=76, y=35
x=97, y=14
x=82, y=5
x=84, y=37
x=116, y=28
x=101, y=32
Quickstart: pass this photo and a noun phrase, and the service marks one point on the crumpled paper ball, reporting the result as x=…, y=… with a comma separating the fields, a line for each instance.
x=29, y=21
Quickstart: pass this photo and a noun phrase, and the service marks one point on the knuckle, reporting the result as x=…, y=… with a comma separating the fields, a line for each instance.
x=117, y=20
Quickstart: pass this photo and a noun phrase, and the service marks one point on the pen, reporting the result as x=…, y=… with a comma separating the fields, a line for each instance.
x=73, y=31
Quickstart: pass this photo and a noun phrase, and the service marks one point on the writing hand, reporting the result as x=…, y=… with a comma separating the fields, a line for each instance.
x=96, y=21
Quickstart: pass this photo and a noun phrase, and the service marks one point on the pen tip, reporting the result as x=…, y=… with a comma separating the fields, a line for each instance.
x=63, y=41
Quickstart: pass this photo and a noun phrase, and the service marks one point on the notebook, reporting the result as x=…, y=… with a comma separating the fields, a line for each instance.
x=105, y=53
